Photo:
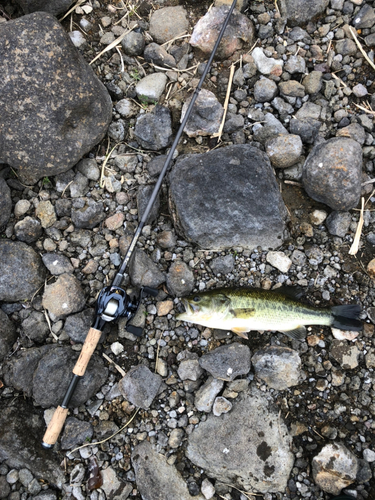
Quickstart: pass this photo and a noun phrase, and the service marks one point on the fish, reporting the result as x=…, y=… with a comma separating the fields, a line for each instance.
x=242, y=310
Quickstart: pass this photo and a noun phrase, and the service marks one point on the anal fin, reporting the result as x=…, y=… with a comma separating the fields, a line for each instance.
x=241, y=332
x=298, y=333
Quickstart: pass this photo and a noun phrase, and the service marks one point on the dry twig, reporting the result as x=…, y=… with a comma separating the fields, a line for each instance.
x=355, y=246
x=366, y=108
x=352, y=31
x=118, y=368
x=49, y=325
x=221, y=128
x=79, y=2
x=110, y=437
x=113, y=44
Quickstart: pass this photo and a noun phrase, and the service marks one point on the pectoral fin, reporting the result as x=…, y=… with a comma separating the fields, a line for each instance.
x=298, y=333
x=245, y=313
x=241, y=332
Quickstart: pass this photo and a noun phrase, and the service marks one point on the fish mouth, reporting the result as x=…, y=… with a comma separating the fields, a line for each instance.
x=187, y=307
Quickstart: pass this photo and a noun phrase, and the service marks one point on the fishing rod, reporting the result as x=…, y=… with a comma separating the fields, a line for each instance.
x=113, y=302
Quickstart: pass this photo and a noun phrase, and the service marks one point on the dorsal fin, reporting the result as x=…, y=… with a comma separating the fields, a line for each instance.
x=293, y=292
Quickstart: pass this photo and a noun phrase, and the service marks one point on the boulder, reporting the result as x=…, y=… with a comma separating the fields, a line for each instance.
x=227, y=198
x=22, y=428
x=54, y=108
x=22, y=271
x=332, y=173
x=248, y=447
x=54, y=7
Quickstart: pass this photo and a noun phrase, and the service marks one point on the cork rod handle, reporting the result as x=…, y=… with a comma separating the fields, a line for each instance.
x=61, y=412
x=55, y=426
x=88, y=348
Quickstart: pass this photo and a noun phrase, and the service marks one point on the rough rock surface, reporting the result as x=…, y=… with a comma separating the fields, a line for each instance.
x=238, y=216
x=5, y=202
x=299, y=12
x=22, y=428
x=240, y=29
x=64, y=297
x=227, y=362
x=168, y=23
x=334, y=468
x=247, y=447
x=157, y=479
x=332, y=173
x=22, y=271
x=206, y=115
x=54, y=7
x=46, y=81
x=44, y=373
x=7, y=334
x=279, y=367
x=140, y=386
x=154, y=130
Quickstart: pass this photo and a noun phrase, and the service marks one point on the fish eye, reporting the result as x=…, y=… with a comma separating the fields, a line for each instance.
x=196, y=299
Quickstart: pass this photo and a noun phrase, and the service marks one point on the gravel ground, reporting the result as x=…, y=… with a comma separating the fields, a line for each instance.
x=334, y=402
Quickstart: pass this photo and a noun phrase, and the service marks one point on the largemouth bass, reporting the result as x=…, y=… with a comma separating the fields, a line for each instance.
x=244, y=309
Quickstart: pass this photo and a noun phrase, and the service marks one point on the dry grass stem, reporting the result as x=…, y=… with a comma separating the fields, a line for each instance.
x=371, y=181
x=247, y=495
x=118, y=368
x=113, y=44
x=178, y=37
x=366, y=108
x=187, y=70
x=140, y=66
x=293, y=183
x=122, y=60
x=355, y=246
x=65, y=188
x=352, y=31
x=110, y=437
x=77, y=4
x=107, y=157
x=248, y=52
x=339, y=79
x=316, y=432
x=218, y=134
x=49, y=325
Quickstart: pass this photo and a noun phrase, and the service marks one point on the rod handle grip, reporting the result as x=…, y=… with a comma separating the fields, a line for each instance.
x=54, y=427
x=88, y=348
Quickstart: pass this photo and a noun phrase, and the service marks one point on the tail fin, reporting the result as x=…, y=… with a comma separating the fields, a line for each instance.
x=346, y=317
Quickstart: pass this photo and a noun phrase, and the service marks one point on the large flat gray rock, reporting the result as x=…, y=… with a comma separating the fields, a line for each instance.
x=248, y=447
x=226, y=198
x=54, y=109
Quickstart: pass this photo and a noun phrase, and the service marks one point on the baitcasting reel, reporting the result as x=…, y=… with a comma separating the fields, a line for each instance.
x=113, y=303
